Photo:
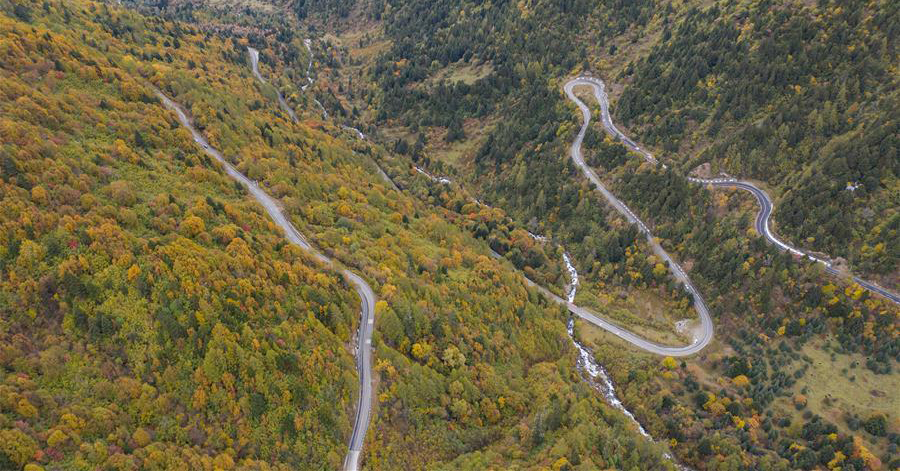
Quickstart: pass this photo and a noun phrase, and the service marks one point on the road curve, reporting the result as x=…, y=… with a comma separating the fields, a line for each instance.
x=763, y=228
x=765, y=203
x=599, y=89
x=706, y=324
x=365, y=292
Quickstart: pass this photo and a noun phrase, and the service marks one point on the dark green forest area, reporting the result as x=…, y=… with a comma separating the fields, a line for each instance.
x=802, y=98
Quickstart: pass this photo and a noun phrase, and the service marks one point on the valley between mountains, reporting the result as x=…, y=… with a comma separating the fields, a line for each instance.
x=440, y=235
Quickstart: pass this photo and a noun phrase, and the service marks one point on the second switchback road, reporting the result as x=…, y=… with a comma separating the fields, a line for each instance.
x=762, y=227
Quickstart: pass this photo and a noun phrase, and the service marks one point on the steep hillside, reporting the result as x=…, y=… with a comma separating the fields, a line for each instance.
x=154, y=317
x=150, y=312
x=802, y=97
x=701, y=84
x=475, y=94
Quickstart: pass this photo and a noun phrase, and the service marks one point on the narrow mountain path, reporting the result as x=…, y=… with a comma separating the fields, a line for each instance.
x=254, y=63
x=365, y=292
x=765, y=202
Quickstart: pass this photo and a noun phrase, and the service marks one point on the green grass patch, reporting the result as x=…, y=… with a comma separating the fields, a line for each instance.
x=838, y=383
x=467, y=73
x=642, y=311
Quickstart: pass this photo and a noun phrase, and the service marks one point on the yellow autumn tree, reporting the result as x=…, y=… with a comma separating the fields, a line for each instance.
x=39, y=195
x=192, y=225
x=133, y=272
x=669, y=363
x=56, y=438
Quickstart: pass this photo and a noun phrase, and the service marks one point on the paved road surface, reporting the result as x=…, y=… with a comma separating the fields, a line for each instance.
x=367, y=296
x=364, y=349
x=364, y=345
x=254, y=62
x=706, y=324
x=762, y=227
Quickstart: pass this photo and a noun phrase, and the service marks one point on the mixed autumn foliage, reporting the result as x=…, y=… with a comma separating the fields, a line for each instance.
x=761, y=91
x=154, y=318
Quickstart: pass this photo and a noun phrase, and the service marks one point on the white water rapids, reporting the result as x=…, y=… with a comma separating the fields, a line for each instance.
x=573, y=276
x=590, y=370
x=599, y=378
x=441, y=180
x=593, y=372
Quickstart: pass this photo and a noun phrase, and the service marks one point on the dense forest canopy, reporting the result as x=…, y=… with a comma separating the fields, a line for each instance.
x=802, y=98
x=153, y=317
x=796, y=95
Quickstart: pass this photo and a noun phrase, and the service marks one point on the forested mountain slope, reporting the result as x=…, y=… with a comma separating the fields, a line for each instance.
x=154, y=318
x=148, y=306
x=803, y=97
x=475, y=93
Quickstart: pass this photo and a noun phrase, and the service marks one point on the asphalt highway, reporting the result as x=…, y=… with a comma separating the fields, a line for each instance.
x=365, y=292
x=367, y=295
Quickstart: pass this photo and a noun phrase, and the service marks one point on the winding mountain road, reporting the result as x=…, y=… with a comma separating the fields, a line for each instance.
x=367, y=295
x=706, y=324
x=765, y=202
x=365, y=292
x=762, y=227
x=364, y=339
